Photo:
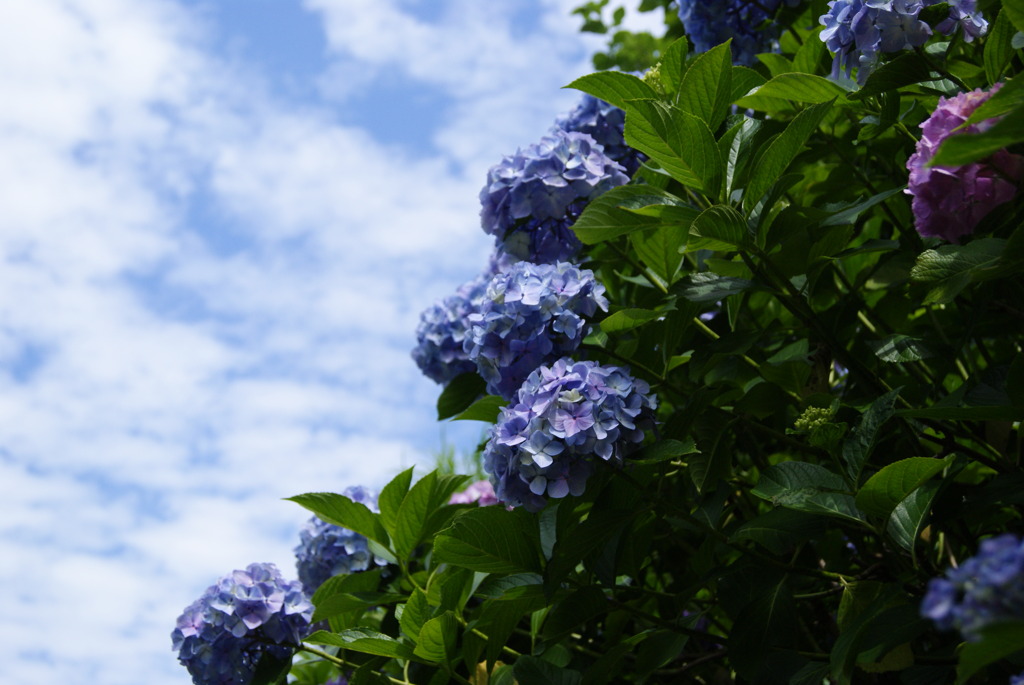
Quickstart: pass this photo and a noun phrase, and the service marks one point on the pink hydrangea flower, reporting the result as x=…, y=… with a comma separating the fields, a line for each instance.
x=949, y=201
x=481, y=492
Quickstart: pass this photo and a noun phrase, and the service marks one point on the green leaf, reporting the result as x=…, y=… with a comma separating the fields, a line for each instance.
x=1009, y=97
x=1015, y=11
x=808, y=487
x=706, y=89
x=718, y=228
x=673, y=65
x=417, y=506
x=391, y=497
x=487, y=408
x=659, y=249
x=951, y=267
x=907, y=519
x=459, y=394
x=905, y=70
x=871, y=635
x=491, y=540
x=981, y=413
x=998, y=640
x=270, y=669
x=630, y=208
x=437, y=638
x=628, y=319
x=890, y=486
x=531, y=669
x=964, y=148
x=613, y=87
x=415, y=613
x=857, y=448
x=341, y=603
x=342, y=511
x=710, y=287
x=780, y=529
x=664, y=450
x=768, y=621
x=998, y=47
x=850, y=214
x=678, y=141
x=782, y=151
x=744, y=80
x=366, y=641
x=797, y=87
x=900, y=348
x=577, y=608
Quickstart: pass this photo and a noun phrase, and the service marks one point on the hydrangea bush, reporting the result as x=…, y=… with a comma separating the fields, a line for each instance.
x=764, y=424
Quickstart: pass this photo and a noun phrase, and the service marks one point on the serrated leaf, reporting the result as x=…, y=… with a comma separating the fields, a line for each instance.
x=491, y=540
x=628, y=319
x=659, y=249
x=744, y=80
x=613, y=87
x=710, y=287
x=857, y=448
x=1015, y=11
x=718, y=228
x=796, y=87
x=780, y=529
x=907, y=519
x=766, y=622
x=900, y=348
x=782, y=151
x=905, y=70
x=850, y=214
x=416, y=612
x=487, y=408
x=1009, y=97
x=998, y=640
x=681, y=143
x=530, y=669
x=271, y=669
x=890, y=486
x=342, y=511
x=459, y=394
x=998, y=47
x=672, y=65
x=707, y=86
x=964, y=148
x=951, y=267
x=808, y=487
x=340, y=603
x=391, y=497
x=437, y=638
x=664, y=450
x=627, y=209
x=366, y=641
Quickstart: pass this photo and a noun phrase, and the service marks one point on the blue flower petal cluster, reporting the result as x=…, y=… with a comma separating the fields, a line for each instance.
x=605, y=123
x=563, y=419
x=442, y=331
x=531, y=315
x=327, y=550
x=858, y=31
x=533, y=197
x=985, y=589
x=747, y=22
x=247, y=616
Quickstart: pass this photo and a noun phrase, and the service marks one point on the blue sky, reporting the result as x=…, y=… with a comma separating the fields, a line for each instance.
x=221, y=221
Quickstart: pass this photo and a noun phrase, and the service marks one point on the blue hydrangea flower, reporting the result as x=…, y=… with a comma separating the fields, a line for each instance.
x=605, y=123
x=531, y=315
x=533, y=197
x=985, y=589
x=246, y=616
x=563, y=419
x=327, y=550
x=858, y=31
x=747, y=22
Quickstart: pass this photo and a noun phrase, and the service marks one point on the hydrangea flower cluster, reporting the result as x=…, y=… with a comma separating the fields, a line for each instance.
x=481, y=492
x=442, y=331
x=563, y=418
x=533, y=197
x=950, y=201
x=857, y=31
x=987, y=588
x=748, y=23
x=531, y=315
x=327, y=550
x=245, y=616
x=605, y=123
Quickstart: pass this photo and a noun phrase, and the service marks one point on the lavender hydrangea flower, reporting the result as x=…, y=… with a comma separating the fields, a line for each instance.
x=245, y=617
x=563, y=419
x=748, y=23
x=531, y=315
x=985, y=589
x=481, y=492
x=950, y=201
x=327, y=550
x=858, y=31
x=533, y=197
x=605, y=123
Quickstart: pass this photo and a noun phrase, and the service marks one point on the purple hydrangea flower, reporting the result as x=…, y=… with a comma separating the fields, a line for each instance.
x=747, y=22
x=857, y=31
x=605, y=123
x=481, y=492
x=985, y=589
x=533, y=197
x=246, y=616
x=531, y=315
x=950, y=201
x=327, y=550
x=563, y=419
